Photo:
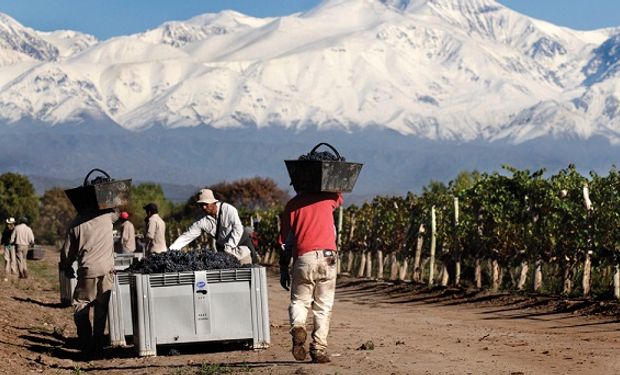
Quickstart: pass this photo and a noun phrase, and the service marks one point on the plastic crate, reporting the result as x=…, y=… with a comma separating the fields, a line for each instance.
x=119, y=311
x=35, y=253
x=67, y=286
x=200, y=306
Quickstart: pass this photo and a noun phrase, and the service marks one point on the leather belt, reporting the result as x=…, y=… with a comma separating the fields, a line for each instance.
x=329, y=253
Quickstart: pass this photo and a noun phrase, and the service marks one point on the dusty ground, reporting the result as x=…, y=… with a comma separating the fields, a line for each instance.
x=414, y=331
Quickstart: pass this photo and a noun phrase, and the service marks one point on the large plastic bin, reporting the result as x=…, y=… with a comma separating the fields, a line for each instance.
x=119, y=311
x=67, y=285
x=200, y=306
x=323, y=176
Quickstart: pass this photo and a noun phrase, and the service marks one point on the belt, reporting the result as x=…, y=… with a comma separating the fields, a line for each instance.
x=329, y=253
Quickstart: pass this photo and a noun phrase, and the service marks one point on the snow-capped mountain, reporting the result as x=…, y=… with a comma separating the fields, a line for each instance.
x=435, y=69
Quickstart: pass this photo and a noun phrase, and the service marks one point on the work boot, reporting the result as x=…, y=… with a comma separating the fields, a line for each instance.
x=299, y=340
x=319, y=356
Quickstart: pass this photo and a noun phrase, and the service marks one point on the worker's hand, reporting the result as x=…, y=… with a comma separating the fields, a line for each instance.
x=285, y=278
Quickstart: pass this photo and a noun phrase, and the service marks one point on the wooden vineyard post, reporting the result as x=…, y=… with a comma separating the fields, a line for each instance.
x=617, y=281
x=380, y=264
x=457, y=265
x=587, y=264
x=417, y=270
x=369, y=264
x=339, y=241
x=523, y=277
x=362, y=265
x=431, y=274
x=394, y=266
x=478, y=273
x=351, y=255
x=495, y=275
x=402, y=272
x=538, y=276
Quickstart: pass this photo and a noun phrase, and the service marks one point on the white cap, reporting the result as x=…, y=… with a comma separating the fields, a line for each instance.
x=206, y=196
x=10, y=220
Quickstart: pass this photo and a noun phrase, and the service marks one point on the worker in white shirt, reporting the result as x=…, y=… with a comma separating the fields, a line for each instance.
x=222, y=222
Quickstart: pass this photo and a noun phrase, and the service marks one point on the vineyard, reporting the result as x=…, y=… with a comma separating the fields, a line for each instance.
x=514, y=230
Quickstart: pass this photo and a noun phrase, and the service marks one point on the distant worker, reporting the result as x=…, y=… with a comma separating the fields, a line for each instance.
x=128, y=234
x=89, y=239
x=10, y=266
x=222, y=222
x=308, y=231
x=155, y=236
x=22, y=238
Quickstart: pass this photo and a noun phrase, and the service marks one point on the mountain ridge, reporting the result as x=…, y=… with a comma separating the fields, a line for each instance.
x=434, y=69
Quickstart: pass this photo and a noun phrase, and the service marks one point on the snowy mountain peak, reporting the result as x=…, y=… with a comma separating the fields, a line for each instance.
x=19, y=43
x=437, y=69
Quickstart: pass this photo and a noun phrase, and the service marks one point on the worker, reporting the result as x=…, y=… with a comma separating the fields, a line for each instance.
x=308, y=231
x=10, y=266
x=155, y=236
x=89, y=240
x=221, y=221
x=22, y=238
x=128, y=234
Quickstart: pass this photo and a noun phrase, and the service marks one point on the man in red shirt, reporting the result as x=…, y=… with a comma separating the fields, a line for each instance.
x=309, y=234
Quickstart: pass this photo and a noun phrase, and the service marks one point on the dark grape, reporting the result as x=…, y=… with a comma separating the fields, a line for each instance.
x=321, y=156
x=178, y=261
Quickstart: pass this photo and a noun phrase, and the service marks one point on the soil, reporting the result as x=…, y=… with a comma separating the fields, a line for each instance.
x=377, y=327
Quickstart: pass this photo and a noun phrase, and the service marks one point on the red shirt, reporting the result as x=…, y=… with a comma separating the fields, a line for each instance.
x=309, y=217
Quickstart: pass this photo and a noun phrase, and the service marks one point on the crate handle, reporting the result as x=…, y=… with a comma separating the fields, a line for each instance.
x=328, y=145
x=95, y=170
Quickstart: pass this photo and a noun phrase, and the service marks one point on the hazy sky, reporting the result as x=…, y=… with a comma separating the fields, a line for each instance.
x=106, y=18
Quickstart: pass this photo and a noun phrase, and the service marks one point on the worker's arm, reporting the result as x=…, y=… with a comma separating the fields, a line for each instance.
x=192, y=233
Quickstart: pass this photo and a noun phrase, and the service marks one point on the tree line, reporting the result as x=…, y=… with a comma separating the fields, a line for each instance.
x=50, y=214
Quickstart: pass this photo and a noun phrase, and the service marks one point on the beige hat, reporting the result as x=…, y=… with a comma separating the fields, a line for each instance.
x=206, y=196
x=10, y=220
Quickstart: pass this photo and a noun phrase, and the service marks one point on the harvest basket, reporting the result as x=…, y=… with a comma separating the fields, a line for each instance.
x=323, y=176
x=99, y=195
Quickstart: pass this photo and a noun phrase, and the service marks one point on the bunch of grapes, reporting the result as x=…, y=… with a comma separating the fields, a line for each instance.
x=178, y=261
x=99, y=180
x=321, y=156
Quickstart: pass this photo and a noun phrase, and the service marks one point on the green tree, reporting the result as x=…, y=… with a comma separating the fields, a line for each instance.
x=251, y=194
x=143, y=194
x=56, y=214
x=18, y=198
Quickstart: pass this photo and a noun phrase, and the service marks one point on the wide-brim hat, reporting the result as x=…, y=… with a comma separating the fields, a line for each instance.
x=206, y=196
x=10, y=220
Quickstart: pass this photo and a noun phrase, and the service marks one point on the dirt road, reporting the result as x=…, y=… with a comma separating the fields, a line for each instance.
x=413, y=332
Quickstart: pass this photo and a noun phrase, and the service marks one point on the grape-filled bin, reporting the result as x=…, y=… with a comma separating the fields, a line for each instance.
x=199, y=306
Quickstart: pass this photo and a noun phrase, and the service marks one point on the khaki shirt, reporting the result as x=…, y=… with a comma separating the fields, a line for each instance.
x=89, y=239
x=22, y=235
x=128, y=236
x=156, y=235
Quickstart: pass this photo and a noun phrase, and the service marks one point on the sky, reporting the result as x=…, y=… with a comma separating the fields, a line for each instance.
x=107, y=18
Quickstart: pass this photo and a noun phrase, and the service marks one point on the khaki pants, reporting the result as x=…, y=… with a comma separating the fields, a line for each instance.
x=21, y=253
x=313, y=284
x=10, y=261
x=92, y=292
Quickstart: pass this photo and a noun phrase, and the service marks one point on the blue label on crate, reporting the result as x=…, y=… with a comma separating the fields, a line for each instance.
x=201, y=284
